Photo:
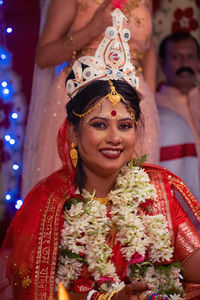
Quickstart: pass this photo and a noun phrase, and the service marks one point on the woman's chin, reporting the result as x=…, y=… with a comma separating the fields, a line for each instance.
x=115, y=163
x=109, y=168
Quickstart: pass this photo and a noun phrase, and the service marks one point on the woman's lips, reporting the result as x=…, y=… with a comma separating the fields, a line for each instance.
x=111, y=153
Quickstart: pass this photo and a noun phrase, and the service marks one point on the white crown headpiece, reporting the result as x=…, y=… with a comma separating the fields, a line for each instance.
x=111, y=61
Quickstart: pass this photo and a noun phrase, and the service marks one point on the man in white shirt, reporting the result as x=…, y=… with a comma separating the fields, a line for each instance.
x=178, y=103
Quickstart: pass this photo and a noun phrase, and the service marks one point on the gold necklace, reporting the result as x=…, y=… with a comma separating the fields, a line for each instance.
x=103, y=201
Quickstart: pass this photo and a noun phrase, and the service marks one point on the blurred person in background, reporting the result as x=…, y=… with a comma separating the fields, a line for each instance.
x=178, y=103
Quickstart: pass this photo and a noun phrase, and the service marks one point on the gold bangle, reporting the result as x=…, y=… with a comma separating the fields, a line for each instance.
x=145, y=295
x=111, y=295
x=139, y=71
x=73, y=56
x=102, y=297
x=68, y=40
x=97, y=296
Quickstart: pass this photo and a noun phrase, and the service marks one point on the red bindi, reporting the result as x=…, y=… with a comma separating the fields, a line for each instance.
x=113, y=113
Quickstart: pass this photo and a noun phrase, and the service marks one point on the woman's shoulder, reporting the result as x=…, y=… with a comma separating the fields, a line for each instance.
x=153, y=168
x=149, y=166
x=159, y=173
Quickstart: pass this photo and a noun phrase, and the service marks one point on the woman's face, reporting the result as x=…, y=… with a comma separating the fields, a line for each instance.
x=106, y=139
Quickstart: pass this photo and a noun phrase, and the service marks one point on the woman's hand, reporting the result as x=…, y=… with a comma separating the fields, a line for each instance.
x=102, y=17
x=60, y=18
x=130, y=291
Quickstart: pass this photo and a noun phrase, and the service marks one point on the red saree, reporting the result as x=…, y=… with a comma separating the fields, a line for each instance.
x=34, y=234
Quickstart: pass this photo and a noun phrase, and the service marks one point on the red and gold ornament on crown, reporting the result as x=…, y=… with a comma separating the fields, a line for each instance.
x=118, y=3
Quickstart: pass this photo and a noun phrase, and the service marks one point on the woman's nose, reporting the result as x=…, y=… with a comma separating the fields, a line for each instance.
x=113, y=136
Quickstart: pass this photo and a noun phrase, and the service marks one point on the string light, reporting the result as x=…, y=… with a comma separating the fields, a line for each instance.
x=18, y=204
x=13, y=128
x=59, y=68
x=4, y=84
x=12, y=141
x=9, y=30
x=6, y=91
x=7, y=137
x=14, y=116
x=15, y=167
x=3, y=56
x=8, y=197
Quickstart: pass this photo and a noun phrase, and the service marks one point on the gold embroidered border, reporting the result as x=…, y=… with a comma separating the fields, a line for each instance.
x=55, y=247
x=188, y=240
x=48, y=242
x=189, y=197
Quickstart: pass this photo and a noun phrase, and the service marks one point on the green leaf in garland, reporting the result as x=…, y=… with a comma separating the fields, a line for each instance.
x=139, y=161
x=139, y=270
x=71, y=255
x=73, y=201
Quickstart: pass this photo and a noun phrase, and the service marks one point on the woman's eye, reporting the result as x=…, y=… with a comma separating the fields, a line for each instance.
x=98, y=125
x=125, y=126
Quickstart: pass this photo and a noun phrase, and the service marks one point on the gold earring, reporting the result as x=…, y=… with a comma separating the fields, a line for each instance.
x=74, y=155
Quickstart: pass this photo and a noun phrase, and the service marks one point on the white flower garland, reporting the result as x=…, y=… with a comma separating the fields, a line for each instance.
x=87, y=225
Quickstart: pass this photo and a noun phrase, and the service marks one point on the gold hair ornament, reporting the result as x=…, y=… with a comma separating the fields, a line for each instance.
x=114, y=97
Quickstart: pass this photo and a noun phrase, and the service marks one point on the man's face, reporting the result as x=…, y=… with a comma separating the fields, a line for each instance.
x=181, y=63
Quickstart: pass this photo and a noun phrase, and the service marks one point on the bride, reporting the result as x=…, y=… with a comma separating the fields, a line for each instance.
x=103, y=225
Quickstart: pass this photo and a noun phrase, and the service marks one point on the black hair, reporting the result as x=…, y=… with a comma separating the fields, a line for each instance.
x=91, y=93
x=176, y=37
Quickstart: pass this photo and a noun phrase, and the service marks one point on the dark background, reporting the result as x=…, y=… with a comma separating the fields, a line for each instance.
x=23, y=17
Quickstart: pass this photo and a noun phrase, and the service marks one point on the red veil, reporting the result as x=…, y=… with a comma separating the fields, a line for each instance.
x=33, y=235
x=31, y=245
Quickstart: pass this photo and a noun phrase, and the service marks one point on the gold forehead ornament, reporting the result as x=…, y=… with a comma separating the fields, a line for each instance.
x=114, y=97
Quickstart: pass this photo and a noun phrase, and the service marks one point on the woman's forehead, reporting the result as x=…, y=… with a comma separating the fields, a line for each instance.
x=108, y=111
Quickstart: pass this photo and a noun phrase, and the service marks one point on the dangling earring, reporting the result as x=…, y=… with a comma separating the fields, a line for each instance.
x=74, y=155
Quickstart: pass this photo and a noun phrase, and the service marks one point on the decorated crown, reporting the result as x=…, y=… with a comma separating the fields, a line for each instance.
x=111, y=61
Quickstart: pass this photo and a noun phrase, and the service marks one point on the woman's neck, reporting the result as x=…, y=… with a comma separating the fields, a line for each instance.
x=101, y=184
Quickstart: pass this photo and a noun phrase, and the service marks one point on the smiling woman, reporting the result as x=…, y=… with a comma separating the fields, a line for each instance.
x=104, y=135
x=104, y=227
